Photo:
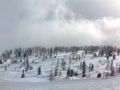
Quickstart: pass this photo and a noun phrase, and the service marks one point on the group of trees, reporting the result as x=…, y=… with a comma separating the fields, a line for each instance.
x=38, y=72
x=106, y=51
x=42, y=51
x=45, y=53
x=57, y=70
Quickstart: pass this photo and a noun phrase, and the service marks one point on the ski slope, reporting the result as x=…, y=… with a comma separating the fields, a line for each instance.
x=14, y=71
x=11, y=78
x=92, y=84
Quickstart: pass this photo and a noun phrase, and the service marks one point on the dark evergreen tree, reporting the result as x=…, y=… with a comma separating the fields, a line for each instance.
x=23, y=74
x=107, y=57
x=86, y=52
x=75, y=74
x=95, y=55
x=58, y=63
x=114, y=57
x=71, y=72
x=63, y=64
x=68, y=73
x=39, y=70
x=56, y=71
x=84, y=69
x=43, y=57
x=60, y=73
x=112, y=68
x=51, y=52
x=51, y=77
x=99, y=75
x=118, y=51
x=1, y=62
x=27, y=66
x=91, y=67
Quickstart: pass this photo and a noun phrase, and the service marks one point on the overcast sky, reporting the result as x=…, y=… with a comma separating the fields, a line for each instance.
x=48, y=23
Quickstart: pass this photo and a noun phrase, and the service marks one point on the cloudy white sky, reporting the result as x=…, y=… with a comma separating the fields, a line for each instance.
x=59, y=22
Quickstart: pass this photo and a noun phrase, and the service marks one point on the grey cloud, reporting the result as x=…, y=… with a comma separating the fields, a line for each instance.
x=93, y=9
x=58, y=22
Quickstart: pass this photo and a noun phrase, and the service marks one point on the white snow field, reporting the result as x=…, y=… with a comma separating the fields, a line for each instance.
x=94, y=84
x=10, y=79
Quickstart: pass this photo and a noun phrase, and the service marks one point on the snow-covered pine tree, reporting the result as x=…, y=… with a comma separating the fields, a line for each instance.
x=39, y=70
x=43, y=57
x=84, y=69
x=56, y=71
x=60, y=73
x=91, y=67
x=114, y=57
x=51, y=77
x=118, y=51
x=51, y=52
x=27, y=65
x=70, y=61
x=68, y=73
x=107, y=57
x=58, y=63
x=81, y=65
x=112, y=68
x=23, y=74
x=1, y=62
x=63, y=64
x=99, y=75
x=86, y=52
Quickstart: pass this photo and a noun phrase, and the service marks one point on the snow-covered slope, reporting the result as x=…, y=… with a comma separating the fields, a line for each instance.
x=14, y=71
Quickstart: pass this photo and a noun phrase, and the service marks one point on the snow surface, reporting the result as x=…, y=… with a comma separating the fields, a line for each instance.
x=14, y=71
x=94, y=84
x=11, y=79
